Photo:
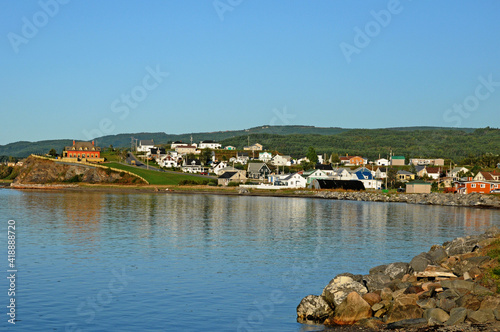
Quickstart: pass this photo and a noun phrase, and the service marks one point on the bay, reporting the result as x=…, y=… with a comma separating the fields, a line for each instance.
x=93, y=261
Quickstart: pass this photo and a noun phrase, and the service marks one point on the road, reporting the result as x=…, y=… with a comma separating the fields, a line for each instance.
x=140, y=164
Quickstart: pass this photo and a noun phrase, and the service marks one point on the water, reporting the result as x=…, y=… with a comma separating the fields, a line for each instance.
x=92, y=261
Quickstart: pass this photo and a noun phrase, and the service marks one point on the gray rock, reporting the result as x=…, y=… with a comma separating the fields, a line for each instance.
x=496, y=312
x=406, y=323
x=458, y=284
x=461, y=246
x=436, y=315
x=375, y=282
x=420, y=262
x=492, y=231
x=397, y=270
x=339, y=287
x=457, y=316
x=469, y=302
x=314, y=308
x=378, y=269
x=449, y=294
x=437, y=254
x=447, y=304
x=481, y=316
x=427, y=303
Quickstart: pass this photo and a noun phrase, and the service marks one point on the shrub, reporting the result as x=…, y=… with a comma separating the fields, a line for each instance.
x=233, y=184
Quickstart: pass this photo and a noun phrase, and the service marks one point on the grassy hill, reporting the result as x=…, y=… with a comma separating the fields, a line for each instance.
x=154, y=177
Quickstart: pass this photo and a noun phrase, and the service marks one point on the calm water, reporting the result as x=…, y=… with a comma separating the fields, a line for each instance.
x=146, y=262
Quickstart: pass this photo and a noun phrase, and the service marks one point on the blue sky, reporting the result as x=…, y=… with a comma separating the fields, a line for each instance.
x=79, y=69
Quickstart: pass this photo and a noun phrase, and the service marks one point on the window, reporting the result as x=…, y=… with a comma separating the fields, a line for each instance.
x=473, y=185
x=483, y=185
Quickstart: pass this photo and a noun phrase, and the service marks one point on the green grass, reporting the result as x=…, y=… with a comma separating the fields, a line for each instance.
x=110, y=156
x=154, y=177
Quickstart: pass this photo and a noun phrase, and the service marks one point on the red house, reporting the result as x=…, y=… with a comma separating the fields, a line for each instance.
x=83, y=151
x=482, y=187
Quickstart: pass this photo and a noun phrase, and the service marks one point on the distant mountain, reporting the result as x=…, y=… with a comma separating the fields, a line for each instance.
x=431, y=142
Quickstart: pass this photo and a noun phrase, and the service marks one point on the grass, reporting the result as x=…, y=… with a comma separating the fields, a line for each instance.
x=492, y=275
x=154, y=177
x=110, y=156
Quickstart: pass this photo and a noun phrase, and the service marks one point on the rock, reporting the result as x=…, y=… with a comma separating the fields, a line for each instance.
x=461, y=246
x=378, y=269
x=496, y=312
x=351, y=310
x=427, y=303
x=481, y=291
x=437, y=254
x=404, y=307
x=449, y=294
x=314, y=308
x=375, y=282
x=457, y=316
x=243, y=191
x=377, y=306
x=493, y=231
x=407, y=323
x=413, y=290
x=458, y=284
x=481, y=316
x=338, y=289
x=372, y=298
x=469, y=302
x=371, y=323
x=420, y=262
x=397, y=270
x=355, y=277
x=436, y=315
x=469, y=264
x=432, y=271
x=386, y=294
x=490, y=302
x=447, y=304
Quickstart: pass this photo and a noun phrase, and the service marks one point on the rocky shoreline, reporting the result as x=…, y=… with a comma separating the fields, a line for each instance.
x=449, y=288
x=469, y=200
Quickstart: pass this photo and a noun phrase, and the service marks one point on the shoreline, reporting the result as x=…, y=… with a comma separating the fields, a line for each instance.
x=470, y=200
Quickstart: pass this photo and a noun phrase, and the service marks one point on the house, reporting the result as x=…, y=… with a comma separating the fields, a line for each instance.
x=83, y=151
x=295, y=180
x=397, y=160
x=254, y=147
x=341, y=173
x=423, y=161
x=487, y=176
x=353, y=161
x=209, y=145
x=418, y=187
x=258, y=171
x=265, y=156
x=382, y=162
x=230, y=147
x=433, y=172
x=178, y=143
x=482, y=187
x=366, y=177
x=381, y=173
x=327, y=168
x=156, y=153
x=186, y=149
x=217, y=167
x=457, y=171
x=314, y=174
x=241, y=157
x=279, y=160
x=421, y=171
x=405, y=176
x=336, y=184
x=145, y=145
x=192, y=166
x=168, y=161
x=228, y=177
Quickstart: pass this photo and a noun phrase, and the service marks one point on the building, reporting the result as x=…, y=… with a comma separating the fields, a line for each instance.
x=352, y=161
x=405, y=176
x=83, y=151
x=336, y=184
x=327, y=168
x=209, y=145
x=265, y=156
x=168, y=161
x=433, y=172
x=192, y=166
x=227, y=177
x=258, y=171
x=397, y=160
x=295, y=180
x=457, y=171
x=279, y=160
x=253, y=147
x=487, y=176
x=145, y=145
x=382, y=162
x=185, y=149
x=482, y=187
x=423, y=161
x=418, y=187
x=230, y=147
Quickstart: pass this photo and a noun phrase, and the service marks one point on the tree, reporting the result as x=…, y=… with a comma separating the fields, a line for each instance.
x=53, y=152
x=334, y=159
x=205, y=156
x=391, y=176
x=312, y=155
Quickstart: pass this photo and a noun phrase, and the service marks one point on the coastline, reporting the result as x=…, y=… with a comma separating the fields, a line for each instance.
x=442, y=199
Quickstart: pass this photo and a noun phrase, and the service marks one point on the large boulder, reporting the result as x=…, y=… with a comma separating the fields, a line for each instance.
x=481, y=316
x=462, y=245
x=376, y=282
x=351, y=310
x=404, y=307
x=420, y=262
x=315, y=308
x=338, y=289
x=436, y=316
x=457, y=316
x=397, y=270
x=437, y=254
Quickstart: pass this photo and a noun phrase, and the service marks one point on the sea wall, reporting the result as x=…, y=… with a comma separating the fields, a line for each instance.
x=470, y=200
x=449, y=285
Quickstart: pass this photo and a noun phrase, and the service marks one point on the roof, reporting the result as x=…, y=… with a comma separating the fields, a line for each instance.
x=433, y=170
x=324, y=167
x=227, y=175
x=419, y=182
x=190, y=162
x=208, y=141
x=256, y=167
x=404, y=172
x=87, y=146
x=340, y=184
x=398, y=157
x=186, y=147
x=419, y=168
x=146, y=142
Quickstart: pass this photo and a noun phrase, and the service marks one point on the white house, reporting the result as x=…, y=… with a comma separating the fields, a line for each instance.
x=279, y=160
x=209, y=145
x=192, y=166
x=341, y=173
x=265, y=156
x=145, y=145
x=382, y=162
x=381, y=173
x=168, y=161
x=456, y=170
x=230, y=147
x=216, y=168
x=295, y=180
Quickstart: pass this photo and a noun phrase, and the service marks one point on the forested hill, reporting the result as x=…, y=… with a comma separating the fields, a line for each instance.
x=431, y=142
x=370, y=143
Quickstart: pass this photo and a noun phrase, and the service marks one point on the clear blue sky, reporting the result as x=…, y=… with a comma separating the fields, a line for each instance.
x=75, y=69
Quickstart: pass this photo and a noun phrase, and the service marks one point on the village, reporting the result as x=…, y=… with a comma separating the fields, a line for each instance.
x=254, y=167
